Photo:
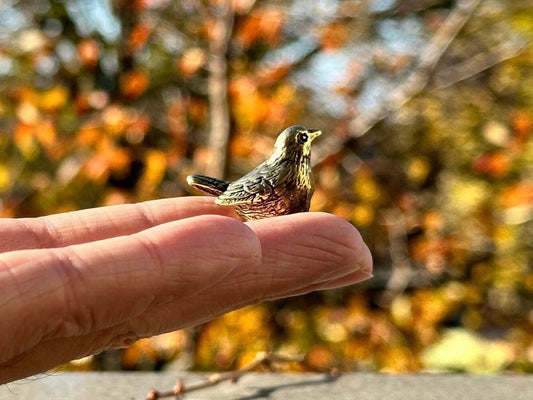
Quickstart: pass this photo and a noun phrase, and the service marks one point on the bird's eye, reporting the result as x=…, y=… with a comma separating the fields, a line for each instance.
x=302, y=137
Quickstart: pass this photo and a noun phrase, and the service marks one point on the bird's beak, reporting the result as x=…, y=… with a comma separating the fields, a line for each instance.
x=314, y=133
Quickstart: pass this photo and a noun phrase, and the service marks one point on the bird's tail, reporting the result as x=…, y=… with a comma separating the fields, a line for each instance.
x=207, y=184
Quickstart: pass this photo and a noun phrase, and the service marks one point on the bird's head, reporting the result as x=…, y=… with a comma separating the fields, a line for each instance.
x=295, y=141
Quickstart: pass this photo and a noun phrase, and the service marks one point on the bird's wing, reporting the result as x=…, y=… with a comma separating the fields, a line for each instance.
x=253, y=187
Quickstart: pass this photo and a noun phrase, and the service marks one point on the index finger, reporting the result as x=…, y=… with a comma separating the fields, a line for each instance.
x=83, y=226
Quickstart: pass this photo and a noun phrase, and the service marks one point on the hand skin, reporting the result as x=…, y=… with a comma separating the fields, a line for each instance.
x=78, y=283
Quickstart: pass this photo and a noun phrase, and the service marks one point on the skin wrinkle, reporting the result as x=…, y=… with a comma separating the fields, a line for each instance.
x=255, y=299
x=269, y=279
x=6, y=269
x=7, y=353
x=257, y=295
x=212, y=282
x=35, y=235
x=147, y=214
x=328, y=244
x=141, y=302
x=106, y=338
x=201, y=300
x=335, y=253
x=87, y=319
x=32, y=336
x=51, y=327
x=82, y=319
x=225, y=260
x=184, y=261
x=143, y=217
x=242, y=278
x=151, y=249
x=72, y=318
x=194, y=301
x=51, y=232
x=311, y=256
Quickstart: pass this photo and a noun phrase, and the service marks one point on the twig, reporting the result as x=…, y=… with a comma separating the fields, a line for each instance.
x=413, y=84
x=477, y=64
x=217, y=87
x=263, y=359
x=402, y=269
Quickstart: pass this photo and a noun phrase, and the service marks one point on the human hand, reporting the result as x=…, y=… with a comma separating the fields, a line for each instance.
x=78, y=283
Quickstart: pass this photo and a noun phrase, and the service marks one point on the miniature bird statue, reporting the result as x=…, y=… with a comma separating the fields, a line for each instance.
x=283, y=184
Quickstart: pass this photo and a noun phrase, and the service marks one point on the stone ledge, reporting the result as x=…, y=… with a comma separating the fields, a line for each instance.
x=124, y=386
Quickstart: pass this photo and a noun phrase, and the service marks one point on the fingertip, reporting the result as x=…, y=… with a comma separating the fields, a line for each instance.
x=337, y=236
x=354, y=249
x=346, y=241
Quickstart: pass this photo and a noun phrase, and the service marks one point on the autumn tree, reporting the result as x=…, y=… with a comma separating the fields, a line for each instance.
x=427, y=114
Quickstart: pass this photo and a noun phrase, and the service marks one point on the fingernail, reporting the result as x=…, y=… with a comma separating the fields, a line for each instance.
x=365, y=275
x=336, y=273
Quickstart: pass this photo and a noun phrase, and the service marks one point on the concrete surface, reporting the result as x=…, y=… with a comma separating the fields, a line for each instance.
x=135, y=385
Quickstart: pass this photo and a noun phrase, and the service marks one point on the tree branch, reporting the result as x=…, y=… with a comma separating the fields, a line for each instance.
x=217, y=87
x=411, y=86
x=402, y=268
x=477, y=64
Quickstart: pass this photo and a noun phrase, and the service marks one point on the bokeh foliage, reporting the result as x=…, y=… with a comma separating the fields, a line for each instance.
x=108, y=103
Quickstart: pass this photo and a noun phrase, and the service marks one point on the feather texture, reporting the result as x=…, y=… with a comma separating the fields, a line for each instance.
x=283, y=184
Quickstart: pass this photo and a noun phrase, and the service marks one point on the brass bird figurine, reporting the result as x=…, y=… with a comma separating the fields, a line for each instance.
x=283, y=184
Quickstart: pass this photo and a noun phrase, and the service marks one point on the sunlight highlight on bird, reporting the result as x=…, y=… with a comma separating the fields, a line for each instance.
x=283, y=184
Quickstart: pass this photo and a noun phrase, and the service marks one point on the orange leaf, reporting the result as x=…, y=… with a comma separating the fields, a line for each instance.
x=139, y=35
x=333, y=36
x=494, y=164
x=320, y=357
x=46, y=134
x=96, y=168
x=262, y=25
x=119, y=159
x=522, y=125
x=89, y=52
x=271, y=75
x=134, y=83
x=518, y=194
x=88, y=134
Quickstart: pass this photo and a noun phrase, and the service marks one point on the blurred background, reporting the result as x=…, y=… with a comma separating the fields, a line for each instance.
x=427, y=113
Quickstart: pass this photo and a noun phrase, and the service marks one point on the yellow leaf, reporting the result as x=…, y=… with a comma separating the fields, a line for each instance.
x=5, y=178
x=363, y=215
x=156, y=164
x=25, y=141
x=54, y=98
x=418, y=169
